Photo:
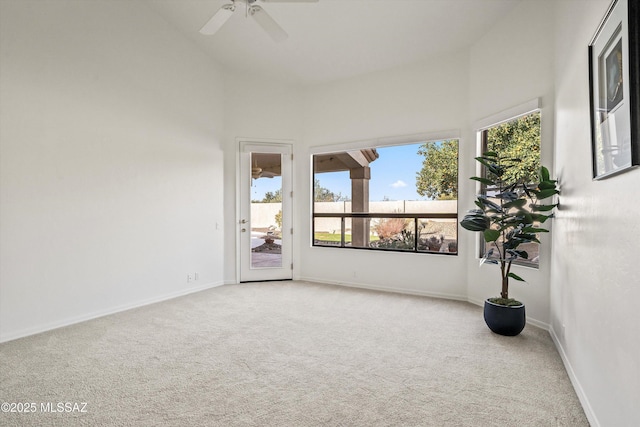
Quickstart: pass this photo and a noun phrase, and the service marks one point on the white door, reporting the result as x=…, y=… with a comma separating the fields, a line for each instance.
x=264, y=224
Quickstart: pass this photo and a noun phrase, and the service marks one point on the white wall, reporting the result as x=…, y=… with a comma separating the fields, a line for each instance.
x=261, y=110
x=594, y=280
x=510, y=65
x=428, y=97
x=111, y=165
x=113, y=159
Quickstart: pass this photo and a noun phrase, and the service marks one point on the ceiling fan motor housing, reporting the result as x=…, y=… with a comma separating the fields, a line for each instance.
x=251, y=9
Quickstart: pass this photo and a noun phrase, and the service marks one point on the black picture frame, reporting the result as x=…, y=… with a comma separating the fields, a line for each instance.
x=614, y=90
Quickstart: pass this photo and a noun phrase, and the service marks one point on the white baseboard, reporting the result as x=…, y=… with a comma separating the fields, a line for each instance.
x=534, y=322
x=101, y=313
x=385, y=288
x=582, y=396
x=476, y=302
x=538, y=324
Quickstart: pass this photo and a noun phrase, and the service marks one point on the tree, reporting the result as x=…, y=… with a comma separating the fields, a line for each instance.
x=518, y=139
x=275, y=197
x=438, y=178
x=515, y=139
x=270, y=197
x=321, y=194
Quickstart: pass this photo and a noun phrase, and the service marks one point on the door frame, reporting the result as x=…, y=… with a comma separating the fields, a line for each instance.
x=267, y=142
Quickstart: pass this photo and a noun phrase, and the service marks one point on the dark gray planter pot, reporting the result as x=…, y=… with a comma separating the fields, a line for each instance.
x=504, y=320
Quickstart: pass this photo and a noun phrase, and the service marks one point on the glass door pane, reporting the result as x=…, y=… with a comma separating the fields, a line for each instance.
x=266, y=210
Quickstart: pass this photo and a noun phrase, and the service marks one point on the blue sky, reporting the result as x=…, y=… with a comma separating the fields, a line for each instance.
x=393, y=175
x=260, y=186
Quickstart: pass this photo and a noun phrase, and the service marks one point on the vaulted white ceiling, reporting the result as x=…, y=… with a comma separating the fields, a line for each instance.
x=334, y=39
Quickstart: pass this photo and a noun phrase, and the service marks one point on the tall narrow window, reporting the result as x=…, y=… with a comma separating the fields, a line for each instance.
x=515, y=138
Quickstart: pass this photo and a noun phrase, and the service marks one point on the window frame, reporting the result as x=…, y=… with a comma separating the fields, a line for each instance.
x=482, y=127
x=375, y=144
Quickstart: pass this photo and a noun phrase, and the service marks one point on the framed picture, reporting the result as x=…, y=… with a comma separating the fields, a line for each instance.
x=614, y=80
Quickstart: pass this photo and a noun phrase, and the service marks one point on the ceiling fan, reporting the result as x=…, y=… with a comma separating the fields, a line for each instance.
x=258, y=172
x=251, y=9
x=261, y=173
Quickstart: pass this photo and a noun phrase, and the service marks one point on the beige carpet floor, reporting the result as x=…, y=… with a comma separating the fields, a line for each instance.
x=289, y=354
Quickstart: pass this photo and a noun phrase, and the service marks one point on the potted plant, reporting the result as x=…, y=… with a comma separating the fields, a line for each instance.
x=508, y=216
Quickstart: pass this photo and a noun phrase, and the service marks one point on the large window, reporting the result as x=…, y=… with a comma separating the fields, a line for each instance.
x=394, y=198
x=518, y=137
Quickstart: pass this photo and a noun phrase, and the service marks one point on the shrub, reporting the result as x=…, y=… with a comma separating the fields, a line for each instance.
x=279, y=219
x=433, y=243
x=404, y=240
x=389, y=227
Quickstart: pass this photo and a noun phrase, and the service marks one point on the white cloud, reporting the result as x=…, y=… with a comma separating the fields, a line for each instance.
x=399, y=183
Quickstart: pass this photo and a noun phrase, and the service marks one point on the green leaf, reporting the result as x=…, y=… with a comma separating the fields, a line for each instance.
x=511, y=244
x=474, y=224
x=518, y=203
x=526, y=238
x=508, y=195
x=543, y=194
x=475, y=221
x=494, y=168
x=489, y=203
x=516, y=277
x=512, y=187
x=485, y=181
x=523, y=254
x=491, y=235
x=544, y=174
x=534, y=230
x=543, y=208
x=527, y=218
x=490, y=154
x=541, y=218
x=547, y=185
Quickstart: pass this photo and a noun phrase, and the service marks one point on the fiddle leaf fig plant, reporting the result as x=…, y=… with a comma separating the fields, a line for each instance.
x=509, y=215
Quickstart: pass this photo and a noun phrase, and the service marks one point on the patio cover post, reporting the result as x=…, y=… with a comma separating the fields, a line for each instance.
x=360, y=177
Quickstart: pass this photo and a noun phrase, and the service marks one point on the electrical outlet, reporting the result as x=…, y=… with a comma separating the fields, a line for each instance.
x=189, y=278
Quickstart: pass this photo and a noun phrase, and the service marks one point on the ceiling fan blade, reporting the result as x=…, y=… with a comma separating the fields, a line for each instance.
x=218, y=20
x=268, y=24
